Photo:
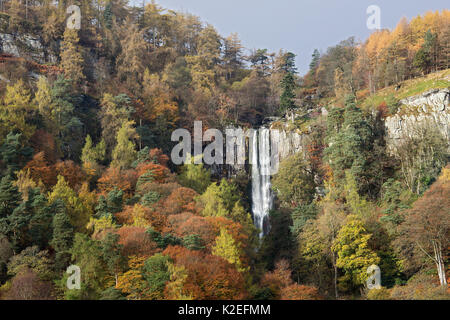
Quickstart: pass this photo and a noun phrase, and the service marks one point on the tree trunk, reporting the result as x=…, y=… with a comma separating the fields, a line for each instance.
x=335, y=277
x=440, y=264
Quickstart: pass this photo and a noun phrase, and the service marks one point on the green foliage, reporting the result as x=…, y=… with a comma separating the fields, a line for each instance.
x=355, y=144
x=63, y=234
x=111, y=253
x=91, y=153
x=219, y=200
x=76, y=210
x=294, y=182
x=124, y=153
x=352, y=248
x=156, y=275
x=301, y=215
x=14, y=154
x=193, y=242
x=162, y=240
x=287, y=97
x=196, y=177
x=424, y=57
x=150, y=198
x=87, y=254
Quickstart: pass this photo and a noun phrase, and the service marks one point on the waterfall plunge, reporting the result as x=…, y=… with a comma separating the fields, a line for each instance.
x=262, y=198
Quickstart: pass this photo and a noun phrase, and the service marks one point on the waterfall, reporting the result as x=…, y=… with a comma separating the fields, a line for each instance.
x=262, y=197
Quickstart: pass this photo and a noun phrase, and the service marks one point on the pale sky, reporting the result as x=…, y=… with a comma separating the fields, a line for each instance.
x=298, y=26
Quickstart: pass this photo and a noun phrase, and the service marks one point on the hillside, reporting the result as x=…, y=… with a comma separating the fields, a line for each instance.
x=94, y=120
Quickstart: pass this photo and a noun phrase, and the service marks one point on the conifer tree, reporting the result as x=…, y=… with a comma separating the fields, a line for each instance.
x=72, y=61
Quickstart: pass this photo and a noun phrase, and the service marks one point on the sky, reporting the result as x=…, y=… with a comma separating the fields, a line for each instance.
x=298, y=26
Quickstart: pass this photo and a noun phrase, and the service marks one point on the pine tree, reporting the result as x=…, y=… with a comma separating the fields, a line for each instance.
x=287, y=97
x=63, y=234
x=13, y=154
x=9, y=197
x=315, y=61
x=111, y=250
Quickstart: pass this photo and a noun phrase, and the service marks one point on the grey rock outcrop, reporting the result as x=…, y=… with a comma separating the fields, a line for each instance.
x=431, y=108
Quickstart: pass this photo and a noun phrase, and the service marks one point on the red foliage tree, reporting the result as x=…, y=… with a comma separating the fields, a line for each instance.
x=136, y=242
x=42, y=170
x=209, y=277
x=124, y=180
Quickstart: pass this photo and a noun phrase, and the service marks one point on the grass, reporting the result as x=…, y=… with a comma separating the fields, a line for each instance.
x=412, y=87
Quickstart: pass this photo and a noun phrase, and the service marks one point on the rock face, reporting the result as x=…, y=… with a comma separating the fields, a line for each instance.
x=23, y=46
x=430, y=108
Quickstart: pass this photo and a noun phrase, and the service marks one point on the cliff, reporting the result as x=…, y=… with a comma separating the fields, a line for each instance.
x=430, y=107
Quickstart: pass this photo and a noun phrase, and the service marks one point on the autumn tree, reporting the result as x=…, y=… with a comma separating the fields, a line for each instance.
x=425, y=231
x=72, y=61
x=353, y=251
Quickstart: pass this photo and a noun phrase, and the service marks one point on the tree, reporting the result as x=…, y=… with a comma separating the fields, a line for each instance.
x=77, y=212
x=87, y=254
x=426, y=56
x=196, y=177
x=93, y=154
x=17, y=110
x=426, y=229
x=227, y=248
x=124, y=152
x=112, y=255
x=156, y=274
x=294, y=182
x=422, y=154
x=63, y=234
x=9, y=197
x=355, y=144
x=72, y=57
x=314, y=61
x=287, y=98
x=352, y=248
x=114, y=112
x=132, y=59
x=14, y=154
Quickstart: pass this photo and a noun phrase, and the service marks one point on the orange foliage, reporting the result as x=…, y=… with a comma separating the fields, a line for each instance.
x=71, y=172
x=154, y=218
x=160, y=173
x=124, y=180
x=186, y=223
x=159, y=156
x=209, y=277
x=41, y=170
x=181, y=200
x=235, y=229
x=279, y=278
x=299, y=292
x=44, y=141
x=136, y=242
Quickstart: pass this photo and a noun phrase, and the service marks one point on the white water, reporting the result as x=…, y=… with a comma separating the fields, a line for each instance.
x=262, y=198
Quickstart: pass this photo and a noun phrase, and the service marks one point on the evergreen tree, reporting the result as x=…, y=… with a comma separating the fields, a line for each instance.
x=63, y=234
x=287, y=98
x=315, y=61
x=111, y=250
x=13, y=154
x=9, y=197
